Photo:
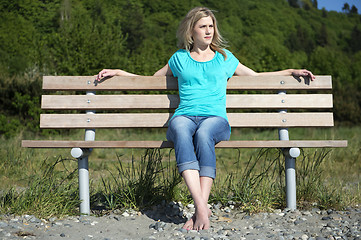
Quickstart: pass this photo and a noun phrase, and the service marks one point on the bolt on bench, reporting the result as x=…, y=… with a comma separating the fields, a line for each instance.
x=306, y=113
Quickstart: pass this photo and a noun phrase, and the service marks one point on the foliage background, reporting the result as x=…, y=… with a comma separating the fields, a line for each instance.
x=81, y=37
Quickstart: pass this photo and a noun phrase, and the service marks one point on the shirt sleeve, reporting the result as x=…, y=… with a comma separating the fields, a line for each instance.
x=231, y=63
x=174, y=64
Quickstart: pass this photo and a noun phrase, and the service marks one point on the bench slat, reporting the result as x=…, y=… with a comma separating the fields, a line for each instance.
x=156, y=120
x=235, y=101
x=88, y=83
x=166, y=144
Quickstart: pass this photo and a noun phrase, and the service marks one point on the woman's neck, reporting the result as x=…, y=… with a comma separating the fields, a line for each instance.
x=202, y=54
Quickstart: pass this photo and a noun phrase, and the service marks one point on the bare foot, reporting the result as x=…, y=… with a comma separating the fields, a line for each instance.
x=189, y=225
x=202, y=219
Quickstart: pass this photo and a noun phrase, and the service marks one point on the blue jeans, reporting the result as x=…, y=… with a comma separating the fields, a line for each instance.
x=194, y=139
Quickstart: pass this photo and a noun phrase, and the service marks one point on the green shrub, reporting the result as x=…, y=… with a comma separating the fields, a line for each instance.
x=9, y=126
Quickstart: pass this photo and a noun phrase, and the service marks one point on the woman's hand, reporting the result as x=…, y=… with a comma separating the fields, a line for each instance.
x=303, y=73
x=106, y=73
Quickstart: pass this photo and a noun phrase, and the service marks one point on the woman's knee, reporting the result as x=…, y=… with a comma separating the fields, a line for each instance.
x=180, y=127
x=214, y=129
x=177, y=135
x=203, y=136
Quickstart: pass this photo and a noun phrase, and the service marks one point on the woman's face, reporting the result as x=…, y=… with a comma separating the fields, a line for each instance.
x=203, y=31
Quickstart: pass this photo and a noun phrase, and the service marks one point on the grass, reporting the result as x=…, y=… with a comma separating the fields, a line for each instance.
x=252, y=184
x=49, y=193
x=143, y=184
x=44, y=181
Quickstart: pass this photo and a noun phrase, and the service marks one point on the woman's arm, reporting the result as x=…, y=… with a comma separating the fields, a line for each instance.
x=164, y=71
x=112, y=72
x=242, y=70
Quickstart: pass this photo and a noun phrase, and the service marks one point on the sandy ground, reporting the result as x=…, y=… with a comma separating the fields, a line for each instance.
x=165, y=222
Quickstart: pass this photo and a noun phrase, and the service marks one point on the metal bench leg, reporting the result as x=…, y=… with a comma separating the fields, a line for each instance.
x=84, y=185
x=290, y=170
x=83, y=170
x=290, y=173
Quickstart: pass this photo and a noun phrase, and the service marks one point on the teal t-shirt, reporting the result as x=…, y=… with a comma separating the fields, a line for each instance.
x=202, y=85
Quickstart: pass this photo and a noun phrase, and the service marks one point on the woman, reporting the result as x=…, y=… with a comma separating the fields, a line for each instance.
x=202, y=67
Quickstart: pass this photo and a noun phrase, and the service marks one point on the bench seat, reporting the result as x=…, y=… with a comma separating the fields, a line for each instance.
x=166, y=144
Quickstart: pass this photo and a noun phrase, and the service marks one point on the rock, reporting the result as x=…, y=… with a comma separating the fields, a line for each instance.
x=297, y=222
x=307, y=213
x=316, y=210
x=304, y=237
x=227, y=210
x=159, y=226
x=35, y=220
x=14, y=220
x=277, y=211
x=3, y=224
x=182, y=230
x=330, y=211
x=125, y=214
x=190, y=205
x=117, y=211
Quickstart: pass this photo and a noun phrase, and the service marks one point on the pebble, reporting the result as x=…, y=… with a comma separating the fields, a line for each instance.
x=125, y=214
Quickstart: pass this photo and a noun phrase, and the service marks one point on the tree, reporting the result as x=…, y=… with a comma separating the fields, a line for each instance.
x=322, y=38
x=346, y=8
x=355, y=40
x=307, y=5
x=294, y=3
x=324, y=12
x=17, y=43
x=301, y=40
x=354, y=10
x=133, y=24
x=315, y=4
x=84, y=43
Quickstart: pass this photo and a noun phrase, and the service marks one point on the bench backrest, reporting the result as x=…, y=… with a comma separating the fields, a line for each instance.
x=251, y=102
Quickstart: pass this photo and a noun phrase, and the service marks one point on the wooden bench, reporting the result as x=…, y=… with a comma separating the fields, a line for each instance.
x=266, y=107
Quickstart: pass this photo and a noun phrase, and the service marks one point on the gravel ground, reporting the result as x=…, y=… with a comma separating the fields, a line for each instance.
x=165, y=222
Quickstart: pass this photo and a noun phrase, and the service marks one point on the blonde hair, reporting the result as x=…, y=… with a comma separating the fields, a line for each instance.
x=184, y=33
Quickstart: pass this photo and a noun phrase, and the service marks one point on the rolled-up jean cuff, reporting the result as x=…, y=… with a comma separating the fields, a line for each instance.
x=188, y=166
x=206, y=171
